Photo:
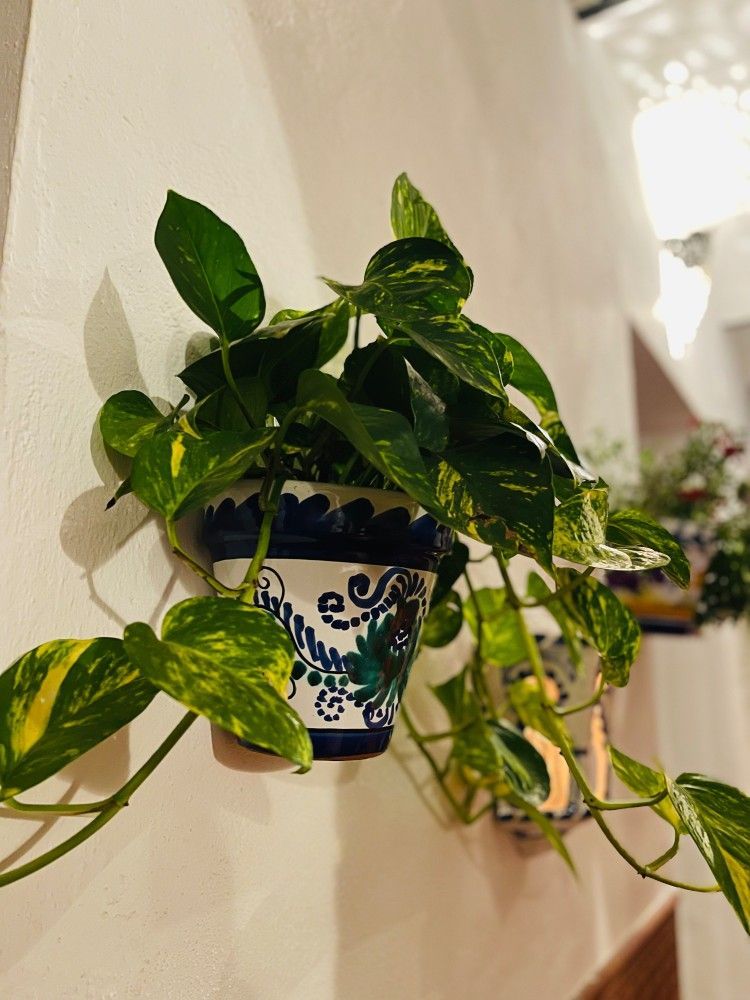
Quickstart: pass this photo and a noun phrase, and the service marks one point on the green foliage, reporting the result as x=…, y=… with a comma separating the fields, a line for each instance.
x=444, y=621
x=423, y=409
x=210, y=267
x=605, y=623
x=127, y=419
x=717, y=817
x=230, y=662
x=180, y=471
x=59, y=700
x=645, y=782
x=410, y=279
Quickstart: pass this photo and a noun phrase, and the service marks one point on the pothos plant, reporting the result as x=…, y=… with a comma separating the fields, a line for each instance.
x=424, y=408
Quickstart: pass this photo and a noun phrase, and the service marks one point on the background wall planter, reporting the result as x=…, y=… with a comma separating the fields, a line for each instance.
x=349, y=575
x=568, y=685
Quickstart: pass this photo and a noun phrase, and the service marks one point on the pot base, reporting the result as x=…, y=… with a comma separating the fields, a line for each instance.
x=342, y=744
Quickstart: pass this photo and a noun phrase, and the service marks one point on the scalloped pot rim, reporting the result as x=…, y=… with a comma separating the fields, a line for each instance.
x=382, y=500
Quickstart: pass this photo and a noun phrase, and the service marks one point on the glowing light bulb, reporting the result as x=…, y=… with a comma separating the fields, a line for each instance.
x=676, y=72
x=682, y=302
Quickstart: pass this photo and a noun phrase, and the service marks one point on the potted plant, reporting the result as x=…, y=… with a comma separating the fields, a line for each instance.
x=698, y=492
x=422, y=413
x=572, y=687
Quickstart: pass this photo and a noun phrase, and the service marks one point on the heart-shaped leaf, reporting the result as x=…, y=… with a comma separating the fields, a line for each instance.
x=632, y=527
x=581, y=535
x=179, y=471
x=499, y=752
x=410, y=279
x=717, y=818
x=61, y=699
x=444, y=622
x=210, y=267
x=498, y=491
x=466, y=349
x=605, y=622
x=127, y=419
x=502, y=642
x=645, y=782
x=230, y=662
x=411, y=215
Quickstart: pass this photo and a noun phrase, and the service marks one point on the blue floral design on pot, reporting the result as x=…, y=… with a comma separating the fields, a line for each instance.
x=349, y=574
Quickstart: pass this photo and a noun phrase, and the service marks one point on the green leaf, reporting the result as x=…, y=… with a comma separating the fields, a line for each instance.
x=444, y=621
x=502, y=639
x=645, y=782
x=127, y=419
x=529, y=378
x=210, y=267
x=605, y=622
x=546, y=826
x=230, y=662
x=220, y=411
x=411, y=215
x=468, y=350
x=179, y=471
x=410, y=279
x=331, y=323
x=632, y=527
x=275, y=361
x=537, y=589
x=383, y=437
x=61, y=699
x=498, y=491
x=459, y=702
x=450, y=568
x=581, y=535
x=497, y=751
x=429, y=412
x=527, y=703
x=717, y=818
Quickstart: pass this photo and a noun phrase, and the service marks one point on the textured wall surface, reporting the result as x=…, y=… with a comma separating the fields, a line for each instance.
x=291, y=120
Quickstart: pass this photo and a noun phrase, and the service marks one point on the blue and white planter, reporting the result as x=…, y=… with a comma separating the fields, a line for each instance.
x=349, y=574
x=567, y=686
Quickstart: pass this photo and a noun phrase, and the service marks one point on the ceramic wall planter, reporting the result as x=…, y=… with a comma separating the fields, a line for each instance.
x=349, y=575
x=567, y=686
x=657, y=603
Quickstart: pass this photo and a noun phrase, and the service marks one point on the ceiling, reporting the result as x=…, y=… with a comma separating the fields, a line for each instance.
x=663, y=46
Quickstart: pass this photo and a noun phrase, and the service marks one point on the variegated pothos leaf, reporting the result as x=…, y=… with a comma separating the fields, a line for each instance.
x=231, y=663
x=61, y=699
x=177, y=472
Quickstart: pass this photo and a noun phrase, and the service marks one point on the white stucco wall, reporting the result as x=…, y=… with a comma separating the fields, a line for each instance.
x=291, y=120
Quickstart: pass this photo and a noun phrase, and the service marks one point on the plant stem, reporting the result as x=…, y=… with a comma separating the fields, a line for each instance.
x=667, y=855
x=233, y=387
x=57, y=808
x=595, y=805
x=595, y=698
x=117, y=802
x=436, y=770
x=178, y=550
x=356, y=329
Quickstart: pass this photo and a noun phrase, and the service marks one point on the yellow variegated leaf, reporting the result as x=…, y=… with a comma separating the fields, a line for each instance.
x=59, y=700
x=230, y=662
